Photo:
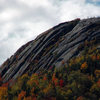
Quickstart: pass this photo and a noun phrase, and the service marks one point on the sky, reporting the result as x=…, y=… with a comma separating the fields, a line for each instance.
x=22, y=20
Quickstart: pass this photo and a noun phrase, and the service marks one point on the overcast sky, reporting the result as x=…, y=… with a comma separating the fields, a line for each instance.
x=22, y=20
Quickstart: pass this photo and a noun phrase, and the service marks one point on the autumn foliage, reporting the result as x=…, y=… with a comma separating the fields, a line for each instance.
x=84, y=65
x=77, y=79
x=80, y=98
x=3, y=93
x=21, y=95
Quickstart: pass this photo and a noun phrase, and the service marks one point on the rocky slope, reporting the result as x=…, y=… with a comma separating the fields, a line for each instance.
x=51, y=48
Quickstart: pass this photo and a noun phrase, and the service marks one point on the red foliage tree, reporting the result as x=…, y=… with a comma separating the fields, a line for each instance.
x=98, y=83
x=55, y=80
x=98, y=57
x=80, y=98
x=61, y=83
x=44, y=78
x=50, y=68
x=0, y=80
x=5, y=84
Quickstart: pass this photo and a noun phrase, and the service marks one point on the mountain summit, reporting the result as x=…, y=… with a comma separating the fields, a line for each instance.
x=51, y=48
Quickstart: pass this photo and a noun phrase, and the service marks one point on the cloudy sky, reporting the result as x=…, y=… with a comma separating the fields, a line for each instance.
x=22, y=20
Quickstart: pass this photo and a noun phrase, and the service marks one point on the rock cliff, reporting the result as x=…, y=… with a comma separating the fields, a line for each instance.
x=50, y=48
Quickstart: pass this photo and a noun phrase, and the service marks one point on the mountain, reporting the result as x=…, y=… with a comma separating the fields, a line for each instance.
x=62, y=63
x=51, y=48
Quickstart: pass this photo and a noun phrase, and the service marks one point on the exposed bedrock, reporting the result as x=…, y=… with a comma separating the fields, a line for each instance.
x=50, y=48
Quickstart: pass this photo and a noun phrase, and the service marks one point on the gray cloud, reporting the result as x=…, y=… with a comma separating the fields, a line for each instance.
x=22, y=20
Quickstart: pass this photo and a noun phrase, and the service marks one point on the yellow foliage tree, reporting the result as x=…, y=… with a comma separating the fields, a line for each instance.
x=97, y=73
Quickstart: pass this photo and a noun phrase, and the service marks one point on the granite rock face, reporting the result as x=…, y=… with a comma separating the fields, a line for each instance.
x=50, y=48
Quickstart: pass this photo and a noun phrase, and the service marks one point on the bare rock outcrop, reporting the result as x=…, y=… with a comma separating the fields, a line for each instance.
x=50, y=48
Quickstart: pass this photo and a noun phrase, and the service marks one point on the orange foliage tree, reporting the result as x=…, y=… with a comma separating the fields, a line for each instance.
x=30, y=98
x=3, y=93
x=94, y=57
x=84, y=66
x=98, y=57
x=21, y=95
